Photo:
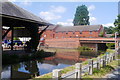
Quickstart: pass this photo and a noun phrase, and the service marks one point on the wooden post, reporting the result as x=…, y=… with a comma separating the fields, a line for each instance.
x=110, y=57
x=12, y=36
x=78, y=75
x=104, y=64
x=56, y=74
x=98, y=63
x=107, y=59
x=90, y=67
x=114, y=56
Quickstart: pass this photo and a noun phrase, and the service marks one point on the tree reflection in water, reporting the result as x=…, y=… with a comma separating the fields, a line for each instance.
x=31, y=70
x=32, y=67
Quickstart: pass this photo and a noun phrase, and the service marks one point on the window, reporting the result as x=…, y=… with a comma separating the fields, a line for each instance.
x=90, y=32
x=73, y=32
x=66, y=33
x=80, y=32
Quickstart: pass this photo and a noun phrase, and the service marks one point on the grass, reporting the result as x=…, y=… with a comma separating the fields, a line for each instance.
x=103, y=71
x=97, y=73
x=67, y=69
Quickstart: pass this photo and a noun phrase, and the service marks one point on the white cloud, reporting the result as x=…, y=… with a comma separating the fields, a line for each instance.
x=52, y=13
x=49, y=16
x=108, y=24
x=92, y=20
x=12, y=0
x=58, y=9
x=26, y=3
x=89, y=14
x=68, y=22
x=91, y=7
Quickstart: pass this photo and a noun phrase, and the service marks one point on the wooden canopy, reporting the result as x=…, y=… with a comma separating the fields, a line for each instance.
x=14, y=16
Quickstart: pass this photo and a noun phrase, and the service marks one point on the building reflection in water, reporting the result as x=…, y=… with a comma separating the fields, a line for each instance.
x=35, y=68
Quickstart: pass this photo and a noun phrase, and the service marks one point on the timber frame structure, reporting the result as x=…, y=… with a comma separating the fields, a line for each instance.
x=14, y=16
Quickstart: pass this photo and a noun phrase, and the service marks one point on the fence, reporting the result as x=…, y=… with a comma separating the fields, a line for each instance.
x=81, y=70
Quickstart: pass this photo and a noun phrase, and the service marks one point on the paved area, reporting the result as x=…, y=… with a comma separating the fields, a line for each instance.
x=114, y=74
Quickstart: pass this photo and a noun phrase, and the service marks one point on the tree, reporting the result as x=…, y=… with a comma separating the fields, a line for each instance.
x=81, y=16
x=109, y=30
x=16, y=38
x=110, y=45
x=117, y=24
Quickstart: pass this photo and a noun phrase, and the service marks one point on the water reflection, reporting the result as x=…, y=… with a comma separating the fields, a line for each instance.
x=62, y=59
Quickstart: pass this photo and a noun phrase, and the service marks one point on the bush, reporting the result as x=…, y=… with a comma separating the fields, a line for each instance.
x=110, y=45
x=83, y=48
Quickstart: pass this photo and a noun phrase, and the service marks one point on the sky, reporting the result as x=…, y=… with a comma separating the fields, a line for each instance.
x=63, y=13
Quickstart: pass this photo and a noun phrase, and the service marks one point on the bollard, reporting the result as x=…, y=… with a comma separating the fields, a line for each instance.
x=90, y=67
x=98, y=63
x=78, y=70
x=56, y=74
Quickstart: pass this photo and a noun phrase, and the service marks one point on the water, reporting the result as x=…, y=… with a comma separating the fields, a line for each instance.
x=62, y=59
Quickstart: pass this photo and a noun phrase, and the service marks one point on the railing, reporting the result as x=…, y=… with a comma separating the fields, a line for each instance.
x=81, y=70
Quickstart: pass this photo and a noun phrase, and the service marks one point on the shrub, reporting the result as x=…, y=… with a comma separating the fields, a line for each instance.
x=83, y=48
x=110, y=45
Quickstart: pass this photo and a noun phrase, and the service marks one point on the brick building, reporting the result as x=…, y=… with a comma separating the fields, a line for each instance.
x=59, y=32
x=8, y=36
x=69, y=36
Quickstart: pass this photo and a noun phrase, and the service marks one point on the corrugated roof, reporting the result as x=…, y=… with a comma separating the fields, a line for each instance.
x=13, y=10
x=78, y=28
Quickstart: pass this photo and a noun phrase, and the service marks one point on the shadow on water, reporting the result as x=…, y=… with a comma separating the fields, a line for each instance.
x=62, y=59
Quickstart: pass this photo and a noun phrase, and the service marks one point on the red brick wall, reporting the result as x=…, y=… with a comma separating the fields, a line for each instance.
x=49, y=34
x=8, y=36
x=63, y=43
x=74, y=55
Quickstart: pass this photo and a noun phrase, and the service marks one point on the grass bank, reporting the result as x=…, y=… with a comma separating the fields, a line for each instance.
x=103, y=71
x=67, y=69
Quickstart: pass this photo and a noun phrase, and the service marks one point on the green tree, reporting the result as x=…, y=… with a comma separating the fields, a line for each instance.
x=110, y=45
x=16, y=38
x=81, y=16
x=117, y=24
x=109, y=30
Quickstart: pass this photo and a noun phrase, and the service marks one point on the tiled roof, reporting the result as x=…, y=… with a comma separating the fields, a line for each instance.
x=78, y=28
x=10, y=9
x=51, y=27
